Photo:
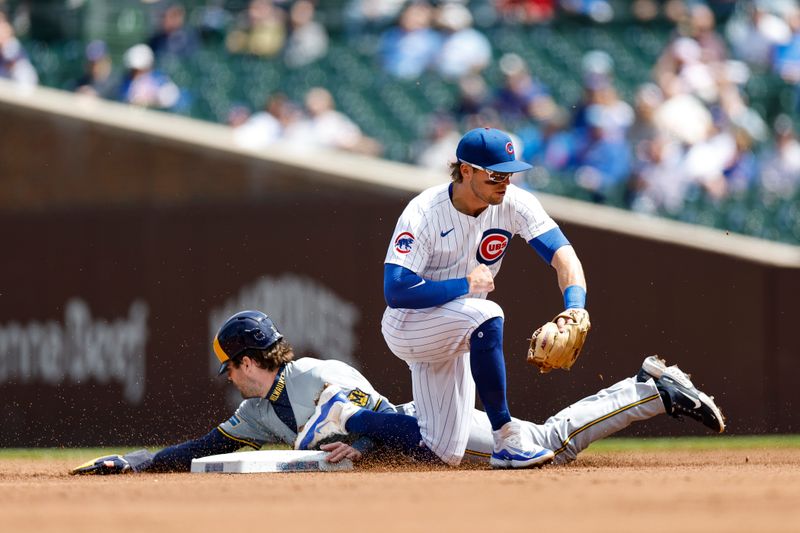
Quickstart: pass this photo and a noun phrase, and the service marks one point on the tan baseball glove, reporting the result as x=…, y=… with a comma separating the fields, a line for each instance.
x=552, y=349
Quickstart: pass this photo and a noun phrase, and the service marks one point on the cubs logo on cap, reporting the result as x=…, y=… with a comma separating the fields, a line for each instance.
x=404, y=242
x=493, y=246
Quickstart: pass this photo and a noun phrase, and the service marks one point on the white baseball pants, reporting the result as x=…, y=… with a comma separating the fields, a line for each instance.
x=572, y=430
x=435, y=343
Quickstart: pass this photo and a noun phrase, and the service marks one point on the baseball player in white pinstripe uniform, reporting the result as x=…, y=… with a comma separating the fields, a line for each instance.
x=444, y=254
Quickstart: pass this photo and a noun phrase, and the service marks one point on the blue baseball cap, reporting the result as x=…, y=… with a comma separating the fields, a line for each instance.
x=491, y=149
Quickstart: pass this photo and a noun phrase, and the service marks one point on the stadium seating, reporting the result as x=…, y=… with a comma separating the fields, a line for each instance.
x=396, y=112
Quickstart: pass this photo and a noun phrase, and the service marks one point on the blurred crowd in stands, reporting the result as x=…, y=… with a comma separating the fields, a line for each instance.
x=688, y=132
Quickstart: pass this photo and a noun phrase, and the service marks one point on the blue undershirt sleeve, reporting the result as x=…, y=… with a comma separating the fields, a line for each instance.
x=178, y=458
x=548, y=243
x=364, y=445
x=405, y=289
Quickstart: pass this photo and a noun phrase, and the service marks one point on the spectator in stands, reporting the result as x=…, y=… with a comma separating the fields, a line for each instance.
x=473, y=96
x=602, y=158
x=659, y=183
x=533, y=131
x=213, y=21
x=260, y=30
x=787, y=56
x=327, y=127
x=644, y=129
x=173, y=37
x=597, y=10
x=409, y=49
x=260, y=129
x=695, y=57
x=741, y=170
x=645, y=10
x=520, y=90
x=308, y=39
x=439, y=144
x=555, y=149
x=701, y=26
x=755, y=33
x=98, y=78
x=780, y=163
x=275, y=122
x=14, y=62
x=748, y=129
x=683, y=115
x=526, y=11
x=599, y=90
x=237, y=115
x=705, y=162
x=465, y=50
x=369, y=15
x=142, y=85
x=682, y=62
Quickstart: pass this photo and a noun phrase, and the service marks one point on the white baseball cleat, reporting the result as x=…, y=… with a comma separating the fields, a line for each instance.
x=511, y=452
x=653, y=366
x=329, y=418
x=679, y=394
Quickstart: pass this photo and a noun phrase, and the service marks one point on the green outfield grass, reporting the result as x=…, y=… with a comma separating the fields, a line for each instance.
x=721, y=442
x=611, y=445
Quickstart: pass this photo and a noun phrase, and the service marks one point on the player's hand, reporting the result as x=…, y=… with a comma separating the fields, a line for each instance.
x=339, y=451
x=561, y=322
x=564, y=320
x=108, y=464
x=480, y=280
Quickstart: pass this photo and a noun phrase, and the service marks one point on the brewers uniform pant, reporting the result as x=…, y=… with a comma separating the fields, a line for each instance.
x=435, y=344
x=573, y=429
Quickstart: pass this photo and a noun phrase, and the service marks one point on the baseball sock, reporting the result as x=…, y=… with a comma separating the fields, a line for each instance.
x=489, y=370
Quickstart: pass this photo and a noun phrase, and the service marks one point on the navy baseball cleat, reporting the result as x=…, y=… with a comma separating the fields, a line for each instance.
x=679, y=394
x=327, y=419
x=510, y=452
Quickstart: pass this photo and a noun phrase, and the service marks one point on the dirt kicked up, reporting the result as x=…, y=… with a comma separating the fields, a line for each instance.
x=747, y=490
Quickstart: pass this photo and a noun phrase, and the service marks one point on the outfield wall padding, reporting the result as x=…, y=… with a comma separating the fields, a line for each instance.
x=124, y=250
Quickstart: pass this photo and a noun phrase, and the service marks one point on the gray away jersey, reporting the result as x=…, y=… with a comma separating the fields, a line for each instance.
x=436, y=241
x=256, y=421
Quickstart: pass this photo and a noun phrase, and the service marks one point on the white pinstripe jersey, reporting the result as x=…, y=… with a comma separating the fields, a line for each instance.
x=438, y=242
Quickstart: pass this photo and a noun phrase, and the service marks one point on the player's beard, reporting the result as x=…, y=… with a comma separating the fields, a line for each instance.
x=248, y=388
x=493, y=197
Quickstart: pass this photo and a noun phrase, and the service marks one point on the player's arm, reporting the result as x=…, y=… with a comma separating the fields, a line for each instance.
x=176, y=458
x=404, y=288
x=571, y=279
x=556, y=250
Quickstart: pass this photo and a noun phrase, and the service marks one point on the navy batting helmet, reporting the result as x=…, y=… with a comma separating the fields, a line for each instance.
x=243, y=331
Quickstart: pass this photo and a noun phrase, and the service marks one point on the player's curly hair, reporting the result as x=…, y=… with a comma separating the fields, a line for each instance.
x=455, y=171
x=271, y=359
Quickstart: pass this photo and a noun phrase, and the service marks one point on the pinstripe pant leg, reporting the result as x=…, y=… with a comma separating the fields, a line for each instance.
x=435, y=344
x=444, y=394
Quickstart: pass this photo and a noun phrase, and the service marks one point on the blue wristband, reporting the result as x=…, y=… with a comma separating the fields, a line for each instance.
x=574, y=297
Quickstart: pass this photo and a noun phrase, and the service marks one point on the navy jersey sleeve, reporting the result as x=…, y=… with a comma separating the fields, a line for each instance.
x=178, y=458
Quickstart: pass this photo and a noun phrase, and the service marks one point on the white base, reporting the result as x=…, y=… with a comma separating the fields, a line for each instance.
x=268, y=461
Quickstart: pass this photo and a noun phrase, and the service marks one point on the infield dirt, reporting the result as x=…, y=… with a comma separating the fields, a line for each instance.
x=733, y=491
